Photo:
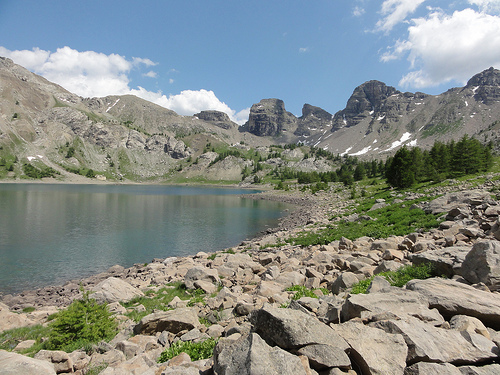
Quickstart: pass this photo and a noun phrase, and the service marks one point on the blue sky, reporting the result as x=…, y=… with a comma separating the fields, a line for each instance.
x=227, y=55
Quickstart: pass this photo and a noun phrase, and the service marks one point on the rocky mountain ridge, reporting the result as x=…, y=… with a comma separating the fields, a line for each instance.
x=124, y=137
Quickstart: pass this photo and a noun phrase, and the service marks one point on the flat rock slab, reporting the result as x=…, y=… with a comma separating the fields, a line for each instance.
x=293, y=329
x=16, y=364
x=427, y=343
x=453, y=298
x=323, y=356
x=373, y=350
x=172, y=321
x=480, y=370
x=250, y=355
x=400, y=302
x=482, y=264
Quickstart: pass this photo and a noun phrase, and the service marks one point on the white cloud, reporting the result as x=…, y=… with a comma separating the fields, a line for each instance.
x=150, y=74
x=443, y=48
x=487, y=6
x=396, y=11
x=358, y=11
x=93, y=74
x=304, y=49
x=171, y=80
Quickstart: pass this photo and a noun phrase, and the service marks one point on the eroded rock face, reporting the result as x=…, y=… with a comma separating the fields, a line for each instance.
x=176, y=148
x=217, y=118
x=269, y=118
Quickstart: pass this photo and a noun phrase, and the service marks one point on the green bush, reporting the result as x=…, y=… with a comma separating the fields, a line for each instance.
x=83, y=323
x=301, y=291
x=195, y=350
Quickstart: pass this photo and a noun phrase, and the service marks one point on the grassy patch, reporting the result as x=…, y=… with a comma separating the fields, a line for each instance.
x=395, y=219
x=302, y=291
x=195, y=350
x=397, y=278
x=9, y=339
x=159, y=300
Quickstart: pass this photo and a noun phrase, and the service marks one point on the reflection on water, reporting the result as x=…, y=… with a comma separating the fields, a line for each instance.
x=53, y=233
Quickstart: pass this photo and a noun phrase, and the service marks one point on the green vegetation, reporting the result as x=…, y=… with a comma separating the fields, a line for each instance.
x=302, y=291
x=159, y=300
x=34, y=172
x=82, y=324
x=195, y=350
x=454, y=159
x=397, y=278
x=9, y=339
x=394, y=219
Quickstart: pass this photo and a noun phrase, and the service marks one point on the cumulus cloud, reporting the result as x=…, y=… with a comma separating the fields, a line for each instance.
x=443, y=48
x=93, y=74
x=487, y=6
x=396, y=11
x=151, y=74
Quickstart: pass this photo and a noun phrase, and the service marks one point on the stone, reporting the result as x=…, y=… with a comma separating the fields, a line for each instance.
x=469, y=324
x=61, y=360
x=372, y=350
x=200, y=274
x=16, y=364
x=400, y=302
x=427, y=343
x=482, y=264
x=116, y=308
x=387, y=265
x=114, y=290
x=173, y=321
x=111, y=357
x=268, y=288
x=453, y=298
x=378, y=283
x=493, y=369
x=343, y=282
x=446, y=261
x=128, y=348
x=425, y=368
x=287, y=279
x=250, y=355
x=292, y=329
x=11, y=320
x=323, y=356
x=23, y=345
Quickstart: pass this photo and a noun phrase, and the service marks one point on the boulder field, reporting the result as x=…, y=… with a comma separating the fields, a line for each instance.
x=441, y=325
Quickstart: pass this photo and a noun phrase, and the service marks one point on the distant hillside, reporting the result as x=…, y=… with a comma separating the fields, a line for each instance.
x=125, y=137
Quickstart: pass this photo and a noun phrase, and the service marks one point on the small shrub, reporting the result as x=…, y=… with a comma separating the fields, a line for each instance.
x=195, y=350
x=83, y=322
x=28, y=309
x=301, y=291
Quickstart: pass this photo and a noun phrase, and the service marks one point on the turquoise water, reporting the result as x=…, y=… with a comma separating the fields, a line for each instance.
x=50, y=234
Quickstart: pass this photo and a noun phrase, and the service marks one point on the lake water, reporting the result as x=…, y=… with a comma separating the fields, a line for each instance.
x=50, y=234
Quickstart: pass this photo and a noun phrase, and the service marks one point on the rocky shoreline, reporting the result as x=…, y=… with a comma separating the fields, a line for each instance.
x=435, y=326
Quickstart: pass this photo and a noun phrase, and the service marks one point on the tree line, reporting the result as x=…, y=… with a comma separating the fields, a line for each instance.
x=453, y=159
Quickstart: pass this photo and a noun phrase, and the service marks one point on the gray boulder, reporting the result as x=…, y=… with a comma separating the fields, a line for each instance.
x=292, y=329
x=195, y=274
x=114, y=290
x=323, y=356
x=16, y=364
x=427, y=343
x=453, y=298
x=343, y=282
x=397, y=301
x=173, y=321
x=250, y=355
x=482, y=264
x=446, y=261
x=61, y=360
x=373, y=350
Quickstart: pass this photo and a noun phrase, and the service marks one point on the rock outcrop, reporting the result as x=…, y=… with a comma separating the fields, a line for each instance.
x=269, y=118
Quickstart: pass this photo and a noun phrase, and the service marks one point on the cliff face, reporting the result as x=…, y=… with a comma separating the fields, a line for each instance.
x=269, y=118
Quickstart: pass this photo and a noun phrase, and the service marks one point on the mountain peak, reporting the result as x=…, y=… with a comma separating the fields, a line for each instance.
x=488, y=77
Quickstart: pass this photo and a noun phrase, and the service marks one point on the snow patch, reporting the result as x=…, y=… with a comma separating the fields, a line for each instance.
x=30, y=158
x=475, y=89
x=380, y=118
x=375, y=141
x=362, y=152
x=406, y=136
x=466, y=104
x=413, y=143
x=346, y=151
x=117, y=100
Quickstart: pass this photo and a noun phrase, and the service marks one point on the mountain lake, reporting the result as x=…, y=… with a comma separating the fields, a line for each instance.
x=53, y=233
